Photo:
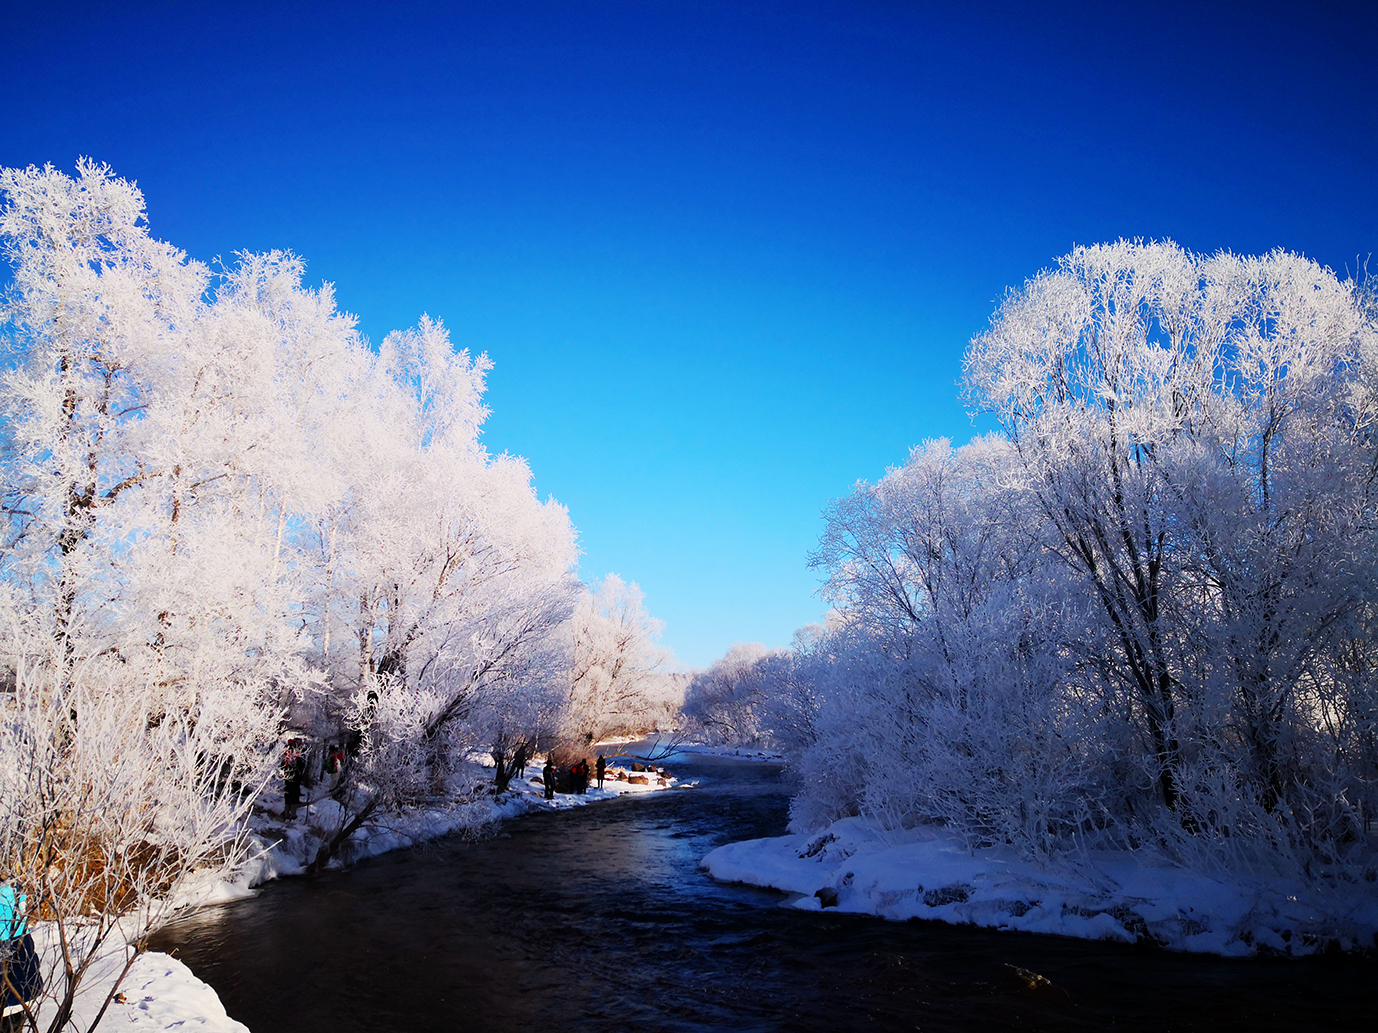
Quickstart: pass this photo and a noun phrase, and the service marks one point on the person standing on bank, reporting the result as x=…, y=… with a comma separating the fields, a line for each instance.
x=602, y=769
x=548, y=776
x=21, y=976
x=293, y=771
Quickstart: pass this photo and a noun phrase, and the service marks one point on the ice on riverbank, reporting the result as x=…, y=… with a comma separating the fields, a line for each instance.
x=922, y=874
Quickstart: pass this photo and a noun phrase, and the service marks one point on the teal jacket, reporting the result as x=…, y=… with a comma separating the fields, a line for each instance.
x=12, y=903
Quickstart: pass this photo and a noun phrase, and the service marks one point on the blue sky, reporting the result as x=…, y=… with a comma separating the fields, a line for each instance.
x=726, y=257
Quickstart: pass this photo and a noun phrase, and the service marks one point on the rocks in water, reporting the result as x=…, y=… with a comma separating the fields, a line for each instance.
x=1033, y=983
x=818, y=846
x=827, y=897
x=1132, y=921
x=638, y=780
x=957, y=893
x=638, y=766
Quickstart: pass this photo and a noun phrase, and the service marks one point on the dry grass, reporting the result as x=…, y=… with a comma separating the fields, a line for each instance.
x=70, y=871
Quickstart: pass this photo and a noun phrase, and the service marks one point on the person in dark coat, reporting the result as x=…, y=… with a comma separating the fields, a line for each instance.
x=602, y=769
x=548, y=776
x=21, y=976
x=293, y=771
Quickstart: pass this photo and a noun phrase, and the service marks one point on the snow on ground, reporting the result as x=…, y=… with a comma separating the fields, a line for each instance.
x=161, y=994
x=158, y=994
x=921, y=873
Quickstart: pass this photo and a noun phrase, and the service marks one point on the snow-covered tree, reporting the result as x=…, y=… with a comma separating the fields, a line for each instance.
x=108, y=816
x=617, y=685
x=221, y=501
x=727, y=703
x=98, y=311
x=1189, y=430
x=1143, y=611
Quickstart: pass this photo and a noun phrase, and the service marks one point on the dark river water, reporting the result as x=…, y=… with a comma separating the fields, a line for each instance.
x=599, y=919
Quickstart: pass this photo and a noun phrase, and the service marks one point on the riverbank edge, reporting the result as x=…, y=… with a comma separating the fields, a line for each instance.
x=855, y=867
x=161, y=994
x=285, y=847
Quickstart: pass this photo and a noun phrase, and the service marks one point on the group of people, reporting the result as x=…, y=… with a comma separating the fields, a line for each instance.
x=579, y=774
x=334, y=757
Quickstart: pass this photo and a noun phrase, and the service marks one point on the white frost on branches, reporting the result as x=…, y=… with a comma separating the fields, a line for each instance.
x=618, y=684
x=1142, y=614
x=223, y=510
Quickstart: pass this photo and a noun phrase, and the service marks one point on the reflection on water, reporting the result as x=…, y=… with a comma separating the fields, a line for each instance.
x=599, y=918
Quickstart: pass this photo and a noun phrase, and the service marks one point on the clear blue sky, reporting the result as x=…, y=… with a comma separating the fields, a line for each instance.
x=725, y=256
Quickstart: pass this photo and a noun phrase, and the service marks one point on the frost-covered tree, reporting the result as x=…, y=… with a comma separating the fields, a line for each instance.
x=156, y=457
x=617, y=685
x=1142, y=612
x=947, y=656
x=98, y=312
x=1189, y=430
x=221, y=501
x=109, y=816
x=727, y=703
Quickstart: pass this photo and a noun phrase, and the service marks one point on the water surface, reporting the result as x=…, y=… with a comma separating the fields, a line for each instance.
x=599, y=919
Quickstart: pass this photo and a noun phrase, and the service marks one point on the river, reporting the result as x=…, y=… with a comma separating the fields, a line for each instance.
x=599, y=919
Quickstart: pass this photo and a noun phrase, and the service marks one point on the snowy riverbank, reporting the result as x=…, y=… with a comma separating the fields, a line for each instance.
x=162, y=994
x=159, y=993
x=922, y=874
x=287, y=847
